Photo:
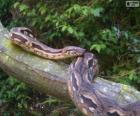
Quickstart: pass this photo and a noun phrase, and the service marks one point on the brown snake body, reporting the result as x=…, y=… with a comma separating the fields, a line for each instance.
x=83, y=93
x=23, y=37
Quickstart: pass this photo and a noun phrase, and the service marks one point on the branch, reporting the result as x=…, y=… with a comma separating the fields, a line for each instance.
x=50, y=77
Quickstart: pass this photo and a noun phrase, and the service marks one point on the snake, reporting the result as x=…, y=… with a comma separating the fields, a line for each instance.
x=82, y=70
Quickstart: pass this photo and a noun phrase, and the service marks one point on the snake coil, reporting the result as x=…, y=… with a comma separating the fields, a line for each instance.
x=82, y=92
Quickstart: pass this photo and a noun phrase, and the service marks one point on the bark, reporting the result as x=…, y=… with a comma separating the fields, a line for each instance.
x=50, y=77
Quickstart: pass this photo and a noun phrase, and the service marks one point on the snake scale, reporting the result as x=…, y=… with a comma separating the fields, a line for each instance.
x=81, y=89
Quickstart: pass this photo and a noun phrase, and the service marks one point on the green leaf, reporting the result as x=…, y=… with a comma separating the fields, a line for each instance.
x=70, y=30
x=126, y=35
x=138, y=60
x=76, y=7
x=96, y=11
x=85, y=11
x=43, y=10
x=23, y=7
x=64, y=28
x=16, y=4
x=98, y=47
x=131, y=75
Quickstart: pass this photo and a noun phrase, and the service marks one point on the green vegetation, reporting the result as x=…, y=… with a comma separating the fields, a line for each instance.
x=106, y=28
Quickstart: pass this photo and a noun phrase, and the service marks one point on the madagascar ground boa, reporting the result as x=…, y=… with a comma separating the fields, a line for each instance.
x=89, y=101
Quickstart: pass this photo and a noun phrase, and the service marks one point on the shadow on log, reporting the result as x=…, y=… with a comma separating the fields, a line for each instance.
x=50, y=77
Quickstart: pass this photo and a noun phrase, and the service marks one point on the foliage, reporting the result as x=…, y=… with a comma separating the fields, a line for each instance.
x=5, y=14
x=85, y=23
x=95, y=25
x=12, y=91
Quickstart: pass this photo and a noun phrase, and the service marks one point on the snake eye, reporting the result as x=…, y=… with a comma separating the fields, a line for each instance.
x=30, y=35
x=27, y=33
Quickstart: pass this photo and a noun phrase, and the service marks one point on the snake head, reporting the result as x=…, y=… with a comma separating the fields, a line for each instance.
x=21, y=35
x=23, y=30
x=73, y=51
